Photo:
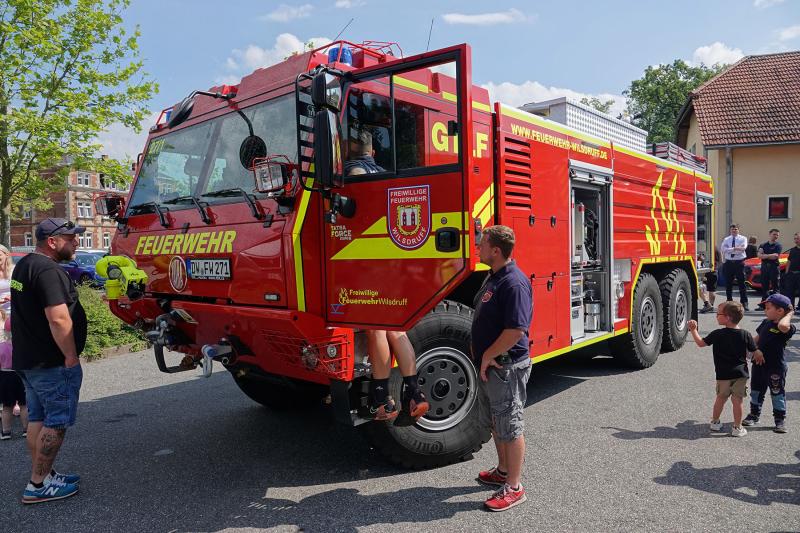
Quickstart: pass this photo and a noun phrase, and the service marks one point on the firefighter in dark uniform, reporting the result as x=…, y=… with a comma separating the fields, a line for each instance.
x=770, y=253
x=791, y=279
x=381, y=343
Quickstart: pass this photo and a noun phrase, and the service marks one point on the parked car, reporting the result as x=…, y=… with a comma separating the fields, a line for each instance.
x=81, y=269
x=752, y=270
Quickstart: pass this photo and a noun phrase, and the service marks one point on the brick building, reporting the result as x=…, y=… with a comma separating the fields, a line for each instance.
x=74, y=203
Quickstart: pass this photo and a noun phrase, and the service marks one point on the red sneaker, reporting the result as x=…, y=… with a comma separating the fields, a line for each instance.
x=386, y=411
x=506, y=498
x=492, y=477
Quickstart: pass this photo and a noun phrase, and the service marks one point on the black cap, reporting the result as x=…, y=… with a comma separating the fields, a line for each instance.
x=50, y=227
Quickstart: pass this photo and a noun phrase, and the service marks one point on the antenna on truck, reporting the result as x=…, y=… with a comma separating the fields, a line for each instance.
x=429, y=36
x=345, y=27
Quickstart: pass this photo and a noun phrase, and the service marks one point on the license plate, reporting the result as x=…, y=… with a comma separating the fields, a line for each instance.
x=218, y=269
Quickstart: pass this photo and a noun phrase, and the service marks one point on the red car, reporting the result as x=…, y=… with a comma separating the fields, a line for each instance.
x=752, y=271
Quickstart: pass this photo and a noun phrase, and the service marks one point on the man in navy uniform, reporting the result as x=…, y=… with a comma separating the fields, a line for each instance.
x=770, y=253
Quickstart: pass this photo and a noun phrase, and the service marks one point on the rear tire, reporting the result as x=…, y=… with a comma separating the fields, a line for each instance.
x=640, y=347
x=450, y=432
x=676, y=294
x=295, y=394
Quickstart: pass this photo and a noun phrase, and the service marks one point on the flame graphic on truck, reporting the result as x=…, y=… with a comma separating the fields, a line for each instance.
x=667, y=210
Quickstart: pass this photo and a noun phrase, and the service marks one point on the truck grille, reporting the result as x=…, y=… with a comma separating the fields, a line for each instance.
x=315, y=355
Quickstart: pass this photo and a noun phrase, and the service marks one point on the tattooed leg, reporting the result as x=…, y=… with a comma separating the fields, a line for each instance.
x=46, y=450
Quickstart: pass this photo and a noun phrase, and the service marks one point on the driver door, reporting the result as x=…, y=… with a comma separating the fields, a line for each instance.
x=407, y=242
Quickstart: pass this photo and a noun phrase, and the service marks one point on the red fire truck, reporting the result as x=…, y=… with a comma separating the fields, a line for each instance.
x=243, y=242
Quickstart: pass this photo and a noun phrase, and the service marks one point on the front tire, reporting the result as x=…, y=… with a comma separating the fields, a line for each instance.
x=676, y=294
x=640, y=347
x=451, y=431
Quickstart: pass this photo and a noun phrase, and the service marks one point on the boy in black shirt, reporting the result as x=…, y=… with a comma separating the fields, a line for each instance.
x=731, y=345
x=769, y=369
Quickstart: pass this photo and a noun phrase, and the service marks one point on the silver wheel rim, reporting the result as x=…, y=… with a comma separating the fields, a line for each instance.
x=647, y=320
x=449, y=381
x=681, y=309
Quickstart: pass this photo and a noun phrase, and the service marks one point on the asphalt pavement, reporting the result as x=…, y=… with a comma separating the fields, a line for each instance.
x=609, y=449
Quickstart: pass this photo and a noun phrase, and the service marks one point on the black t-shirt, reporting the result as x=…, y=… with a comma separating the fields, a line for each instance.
x=751, y=251
x=771, y=248
x=794, y=259
x=730, y=346
x=505, y=301
x=772, y=342
x=39, y=282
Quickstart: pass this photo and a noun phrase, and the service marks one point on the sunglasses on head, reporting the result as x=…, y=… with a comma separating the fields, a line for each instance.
x=68, y=225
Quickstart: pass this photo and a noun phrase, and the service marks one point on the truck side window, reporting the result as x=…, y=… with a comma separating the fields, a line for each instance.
x=401, y=123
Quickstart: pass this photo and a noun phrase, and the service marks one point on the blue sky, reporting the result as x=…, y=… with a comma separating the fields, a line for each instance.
x=522, y=51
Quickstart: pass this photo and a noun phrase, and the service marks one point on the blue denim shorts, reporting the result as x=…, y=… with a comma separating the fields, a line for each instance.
x=52, y=395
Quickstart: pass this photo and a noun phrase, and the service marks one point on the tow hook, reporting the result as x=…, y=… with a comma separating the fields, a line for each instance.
x=221, y=352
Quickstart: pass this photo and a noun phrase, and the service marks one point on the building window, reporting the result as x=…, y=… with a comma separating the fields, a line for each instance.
x=83, y=179
x=85, y=209
x=85, y=240
x=27, y=213
x=106, y=240
x=28, y=239
x=779, y=207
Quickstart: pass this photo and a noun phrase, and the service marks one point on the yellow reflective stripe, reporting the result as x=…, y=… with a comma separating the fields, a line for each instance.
x=450, y=97
x=480, y=106
x=480, y=266
x=385, y=248
x=555, y=126
x=378, y=228
x=403, y=82
x=656, y=160
x=298, y=248
x=480, y=203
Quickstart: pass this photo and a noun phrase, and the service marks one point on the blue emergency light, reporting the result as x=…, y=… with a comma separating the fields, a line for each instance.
x=346, y=57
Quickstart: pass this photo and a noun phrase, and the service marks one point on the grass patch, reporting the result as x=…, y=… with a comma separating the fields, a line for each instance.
x=105, y=329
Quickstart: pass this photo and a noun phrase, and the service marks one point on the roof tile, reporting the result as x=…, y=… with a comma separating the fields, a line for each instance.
x=756, y=100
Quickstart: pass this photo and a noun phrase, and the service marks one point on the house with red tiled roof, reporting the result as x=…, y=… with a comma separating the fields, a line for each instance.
x=746, y=122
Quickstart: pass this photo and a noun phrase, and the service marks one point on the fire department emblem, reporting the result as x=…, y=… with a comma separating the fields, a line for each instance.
x=177, y=274
x=409, y=216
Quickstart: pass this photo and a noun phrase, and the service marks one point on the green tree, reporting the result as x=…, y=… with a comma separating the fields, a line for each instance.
x=600, y=105
x=654, y=100
x=68, y=70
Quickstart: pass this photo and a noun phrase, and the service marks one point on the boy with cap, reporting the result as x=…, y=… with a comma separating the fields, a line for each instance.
x=730, y=348
x=49, y=330
x=769, y=369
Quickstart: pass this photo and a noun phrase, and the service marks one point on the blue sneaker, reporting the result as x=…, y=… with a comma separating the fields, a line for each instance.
x=70, y=479
x=55, y=490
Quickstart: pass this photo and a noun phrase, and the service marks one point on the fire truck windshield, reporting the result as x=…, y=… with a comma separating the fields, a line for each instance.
x=204, y=158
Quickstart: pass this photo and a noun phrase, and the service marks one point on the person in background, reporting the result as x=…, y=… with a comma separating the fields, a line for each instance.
x=12, y=391
x=708, y=284
x=6, y=268
x=733, y=253
x=752, y=249
x=770, y=254
x=791, y=278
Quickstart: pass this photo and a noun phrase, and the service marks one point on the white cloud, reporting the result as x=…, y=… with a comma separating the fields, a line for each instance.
x=120, y=142
x=285, y=13
x=533, y=91
x=787, y=34
x=763, y=4
x=716, y=53
x=348, y=4
x=486, y=19
x=254, y=56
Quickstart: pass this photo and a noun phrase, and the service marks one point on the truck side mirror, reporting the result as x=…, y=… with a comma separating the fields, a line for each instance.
x=325, y=91
x=181, y=112
x=328, y=166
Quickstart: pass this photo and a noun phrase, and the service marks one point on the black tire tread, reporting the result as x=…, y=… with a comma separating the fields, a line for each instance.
x=666, y=285
x=624, y=347
x=378, y=433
